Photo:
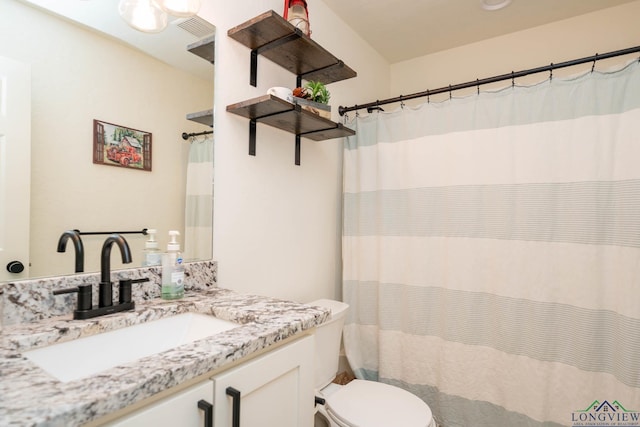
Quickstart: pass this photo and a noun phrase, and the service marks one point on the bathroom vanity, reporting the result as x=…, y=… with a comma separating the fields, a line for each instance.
x=275, y=389
x=261, y=369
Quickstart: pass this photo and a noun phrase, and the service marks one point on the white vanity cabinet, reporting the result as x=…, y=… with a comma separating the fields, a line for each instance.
x=273, y=389
x=179, y=409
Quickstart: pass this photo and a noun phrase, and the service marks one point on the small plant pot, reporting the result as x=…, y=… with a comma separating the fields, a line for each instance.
x=323, y=110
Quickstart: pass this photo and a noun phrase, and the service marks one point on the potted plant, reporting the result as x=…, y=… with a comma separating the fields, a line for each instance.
x=313, y=97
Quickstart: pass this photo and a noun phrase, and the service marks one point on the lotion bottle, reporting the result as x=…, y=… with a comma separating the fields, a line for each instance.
x=172, y=269
x=151, y=255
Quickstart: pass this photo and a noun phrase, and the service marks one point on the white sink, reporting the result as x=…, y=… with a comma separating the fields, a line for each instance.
x=84, y=357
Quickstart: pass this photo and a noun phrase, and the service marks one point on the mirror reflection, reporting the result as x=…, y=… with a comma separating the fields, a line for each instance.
x=78, y=75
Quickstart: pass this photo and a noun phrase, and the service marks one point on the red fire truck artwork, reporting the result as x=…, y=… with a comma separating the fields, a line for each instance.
x=125, y=153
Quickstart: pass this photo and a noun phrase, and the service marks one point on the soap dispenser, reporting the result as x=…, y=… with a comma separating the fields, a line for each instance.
x=172, y=269
x=151, y=254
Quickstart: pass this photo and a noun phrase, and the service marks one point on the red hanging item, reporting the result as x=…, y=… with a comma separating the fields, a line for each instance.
x=295, y=11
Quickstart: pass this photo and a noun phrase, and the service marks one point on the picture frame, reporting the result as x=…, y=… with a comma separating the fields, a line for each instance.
x=121, y=146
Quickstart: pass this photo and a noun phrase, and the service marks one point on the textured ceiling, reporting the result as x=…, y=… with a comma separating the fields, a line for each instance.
x=405, y=29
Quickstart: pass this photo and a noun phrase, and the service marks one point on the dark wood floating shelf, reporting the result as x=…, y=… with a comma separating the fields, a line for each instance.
x=271, y=36
x=204, y=48
x=278, y=113
x=202, y=117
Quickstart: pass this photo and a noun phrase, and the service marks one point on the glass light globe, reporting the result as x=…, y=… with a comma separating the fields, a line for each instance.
x=143, y=15
x=180, y=8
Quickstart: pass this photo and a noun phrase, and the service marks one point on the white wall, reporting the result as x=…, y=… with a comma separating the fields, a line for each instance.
x=277, y=226
x=78, y=76
x=599, y=32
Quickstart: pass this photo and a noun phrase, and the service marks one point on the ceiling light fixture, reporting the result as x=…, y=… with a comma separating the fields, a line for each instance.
x=180, y=8
x=492, y=5
x=143, y=15
x=152, y=16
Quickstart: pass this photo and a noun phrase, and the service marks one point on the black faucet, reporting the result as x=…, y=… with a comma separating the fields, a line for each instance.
x=77, y=244
x=85, y=309
x=105, y=297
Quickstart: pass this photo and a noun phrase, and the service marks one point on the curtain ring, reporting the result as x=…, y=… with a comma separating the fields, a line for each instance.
x=478, y=85
x=428, y=97
x=551, y=72
x=513, y=80
x=593, y=66
x=450, y=96
x=401, y=103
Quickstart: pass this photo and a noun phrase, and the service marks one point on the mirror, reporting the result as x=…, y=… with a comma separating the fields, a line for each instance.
x=80, y=74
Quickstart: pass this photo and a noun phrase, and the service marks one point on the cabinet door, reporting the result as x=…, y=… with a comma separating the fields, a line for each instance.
x=276, y=389
x=180, y=409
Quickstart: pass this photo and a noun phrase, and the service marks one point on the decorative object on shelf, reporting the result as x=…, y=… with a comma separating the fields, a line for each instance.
x=152, y=16
x=295, y=11
x=281, y=92
x=313, y=97
x=319, y=92
x=323, y=110
x=115, y=145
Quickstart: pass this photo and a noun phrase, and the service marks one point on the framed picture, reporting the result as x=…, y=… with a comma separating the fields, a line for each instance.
x=115, y=145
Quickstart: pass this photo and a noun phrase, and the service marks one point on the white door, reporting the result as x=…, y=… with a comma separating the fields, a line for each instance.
x=15, y=168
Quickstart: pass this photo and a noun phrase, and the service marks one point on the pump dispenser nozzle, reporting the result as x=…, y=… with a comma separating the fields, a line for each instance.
x=151, y=255
x=151, y=243
x=173, y=244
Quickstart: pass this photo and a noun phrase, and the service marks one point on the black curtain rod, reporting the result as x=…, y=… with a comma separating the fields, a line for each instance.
x=510, y=76
x=186, y=136
x=94, y=233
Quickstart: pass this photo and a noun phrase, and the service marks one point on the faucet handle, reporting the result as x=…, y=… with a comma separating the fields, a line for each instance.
x=125, y=289
x=84, y=296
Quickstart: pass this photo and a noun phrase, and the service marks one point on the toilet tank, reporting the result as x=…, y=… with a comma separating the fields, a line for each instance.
x=327, y=340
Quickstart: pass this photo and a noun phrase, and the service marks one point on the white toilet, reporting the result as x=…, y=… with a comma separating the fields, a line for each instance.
x=359, y=403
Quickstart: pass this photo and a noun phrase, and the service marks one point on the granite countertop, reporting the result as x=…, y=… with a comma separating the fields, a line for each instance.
x=31, y=397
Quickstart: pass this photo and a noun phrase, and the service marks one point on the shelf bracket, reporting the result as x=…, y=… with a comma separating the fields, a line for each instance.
x=252, y=137
x=297, y=150
x=253, y=77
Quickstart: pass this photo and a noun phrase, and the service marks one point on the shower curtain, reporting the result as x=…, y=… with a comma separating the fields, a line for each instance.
x=491, y=249
x=198, y=226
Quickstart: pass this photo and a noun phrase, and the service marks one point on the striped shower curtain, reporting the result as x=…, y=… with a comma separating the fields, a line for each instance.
x=491, y=249
x=198, y=228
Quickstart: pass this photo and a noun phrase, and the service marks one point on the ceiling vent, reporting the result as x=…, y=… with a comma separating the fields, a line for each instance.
x=196, y=26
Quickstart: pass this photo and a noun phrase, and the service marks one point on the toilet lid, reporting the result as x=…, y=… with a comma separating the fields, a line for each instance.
x=374, y=404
